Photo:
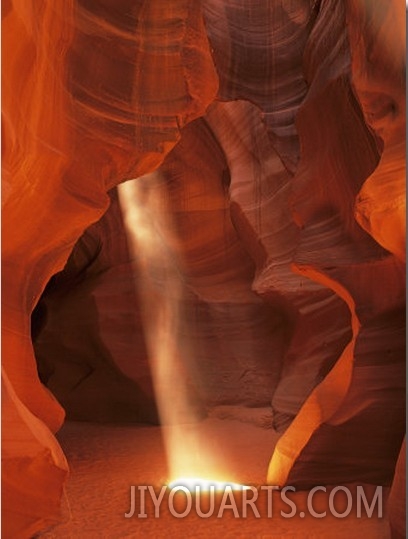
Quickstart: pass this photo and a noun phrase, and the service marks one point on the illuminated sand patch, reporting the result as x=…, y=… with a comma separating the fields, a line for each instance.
x=194, y=484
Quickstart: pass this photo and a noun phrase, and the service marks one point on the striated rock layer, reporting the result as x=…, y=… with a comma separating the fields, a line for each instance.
x=284, y=194
x=92, y=94
x=333, y=250
x=106, y=376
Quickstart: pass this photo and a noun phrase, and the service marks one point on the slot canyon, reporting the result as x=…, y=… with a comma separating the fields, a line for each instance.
x=203, y=265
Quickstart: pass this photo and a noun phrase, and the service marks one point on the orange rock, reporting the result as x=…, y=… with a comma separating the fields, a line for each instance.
x=91, y=96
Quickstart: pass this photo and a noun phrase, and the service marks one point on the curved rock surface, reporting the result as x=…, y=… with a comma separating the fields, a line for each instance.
x=284, y=188
x=95, y=296
x=92, y=94
x=377, y=39
x=332, y=247
x=258, y=50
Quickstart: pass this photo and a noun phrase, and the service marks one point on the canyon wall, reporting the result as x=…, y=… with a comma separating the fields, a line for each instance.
x=272, y=134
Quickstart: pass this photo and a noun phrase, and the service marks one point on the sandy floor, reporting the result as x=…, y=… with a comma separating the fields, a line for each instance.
x=106, y=460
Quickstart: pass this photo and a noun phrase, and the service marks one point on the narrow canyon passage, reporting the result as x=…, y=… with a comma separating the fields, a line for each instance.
x=203, y=265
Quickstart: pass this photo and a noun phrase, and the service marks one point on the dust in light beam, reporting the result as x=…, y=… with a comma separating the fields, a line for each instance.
x=152, y=243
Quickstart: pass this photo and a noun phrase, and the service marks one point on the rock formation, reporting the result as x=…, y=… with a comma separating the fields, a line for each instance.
x=272, y=134
x=93, y=95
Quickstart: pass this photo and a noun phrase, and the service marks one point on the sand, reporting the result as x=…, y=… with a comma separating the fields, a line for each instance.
x=106, y=460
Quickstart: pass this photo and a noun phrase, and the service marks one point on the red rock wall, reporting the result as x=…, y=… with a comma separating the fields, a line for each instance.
x=92, y=94
x=88, y=338
x=231, y=360
x=287, y=203
x=332, y=249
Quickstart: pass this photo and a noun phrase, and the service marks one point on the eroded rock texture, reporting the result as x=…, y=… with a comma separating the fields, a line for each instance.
x=93, y=94
x=95, y=296
x=285, y=194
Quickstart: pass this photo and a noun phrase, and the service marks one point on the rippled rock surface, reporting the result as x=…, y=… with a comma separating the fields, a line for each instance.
x=272, y=136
